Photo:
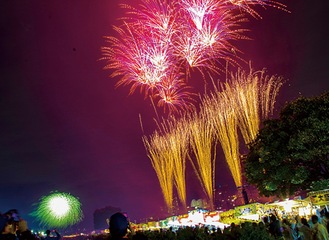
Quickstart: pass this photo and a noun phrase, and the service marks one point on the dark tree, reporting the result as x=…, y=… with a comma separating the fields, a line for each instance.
x=291, y=153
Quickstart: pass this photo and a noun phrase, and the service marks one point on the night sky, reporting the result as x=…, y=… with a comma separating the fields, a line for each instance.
x=64, y=125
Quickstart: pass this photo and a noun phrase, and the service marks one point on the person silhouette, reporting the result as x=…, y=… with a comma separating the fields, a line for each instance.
x=49, y=236
x=119, y=225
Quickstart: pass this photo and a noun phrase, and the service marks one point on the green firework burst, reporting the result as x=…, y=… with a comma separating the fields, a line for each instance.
x=58, y=210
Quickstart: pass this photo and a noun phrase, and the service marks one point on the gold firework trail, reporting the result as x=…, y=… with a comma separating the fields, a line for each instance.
x=254, y=99
x=202, y=142
x=269, y=89
x=221, y=112
x=168, y=149
x=162, y=162
x=178, y=140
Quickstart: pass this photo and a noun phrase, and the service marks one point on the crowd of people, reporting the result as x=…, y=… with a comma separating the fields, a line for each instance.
x=271, y=227
x=13, y=227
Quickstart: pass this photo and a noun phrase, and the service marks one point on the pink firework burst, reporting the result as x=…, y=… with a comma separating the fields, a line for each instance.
x=199, y=10
x=174, y=95
x=139, y=61
x=160, y=40
x=248, y=5
x=158, y=15
x=203, y=44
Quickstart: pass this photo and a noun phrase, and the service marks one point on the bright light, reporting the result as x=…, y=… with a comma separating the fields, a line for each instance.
x=59, y=206
x=58, y=210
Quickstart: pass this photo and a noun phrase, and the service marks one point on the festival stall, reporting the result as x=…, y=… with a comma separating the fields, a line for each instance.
x=173, y=222
x=251, y=211
x=289, y=207
x=183, y=219
x=212, y=220
x=228, y=217
x=210, y=217
x=196, y=217
x=319, y=200
x=153, y=225
x=163, y=223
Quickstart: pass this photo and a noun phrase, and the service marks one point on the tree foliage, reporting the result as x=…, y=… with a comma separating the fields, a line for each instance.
x=291, y=153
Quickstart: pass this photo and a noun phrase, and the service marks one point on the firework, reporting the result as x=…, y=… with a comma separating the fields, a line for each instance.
x=248, y=5
x=163, y=164
x=202, y=141
x=140, y=63
x=143, y=53
x=168, y=149
x=240, y=102
x=254, y=99
x=160, y=41
x=146, y=63
x=177, y=136
x=174, y=94
x=58, y=210
x=159, y=16
x=209, y=30
x=269, y=89
x=200, y=10
x=247, y=104
x=221, y=112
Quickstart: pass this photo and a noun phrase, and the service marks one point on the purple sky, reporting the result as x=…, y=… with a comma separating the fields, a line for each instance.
x=65, y=127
